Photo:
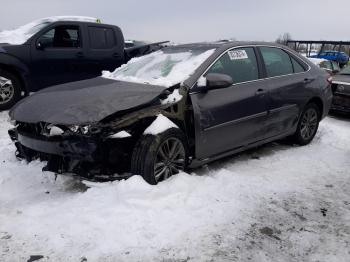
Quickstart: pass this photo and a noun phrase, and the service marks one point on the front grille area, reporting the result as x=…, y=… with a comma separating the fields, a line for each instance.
x=342, y=89
x=341, y=100
x=37, y=129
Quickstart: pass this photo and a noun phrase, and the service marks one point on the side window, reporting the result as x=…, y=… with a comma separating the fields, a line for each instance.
x=101, y=38
x=240, y=64
x=326, y=65
x=61, y=36
x=277, y=61
x=298, y=68
x=335, y=66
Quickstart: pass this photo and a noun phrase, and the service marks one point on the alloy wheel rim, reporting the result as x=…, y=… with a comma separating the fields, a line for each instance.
x=6, y=90
x=308, y=124
x=170, y=159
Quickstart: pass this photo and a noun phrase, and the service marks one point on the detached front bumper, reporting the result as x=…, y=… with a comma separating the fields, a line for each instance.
x=74, y=146
x=76, y=155
x=90, y=158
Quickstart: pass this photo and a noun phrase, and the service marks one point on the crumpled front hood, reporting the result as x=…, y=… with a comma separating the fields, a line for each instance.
x=83, y=102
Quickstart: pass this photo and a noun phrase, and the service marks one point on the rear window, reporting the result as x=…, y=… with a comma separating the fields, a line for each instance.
x=298, y=68
x=335, y=66
x=101, y=37
x=326, y=65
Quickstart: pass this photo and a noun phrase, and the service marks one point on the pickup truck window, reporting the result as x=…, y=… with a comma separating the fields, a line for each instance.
x=61, y=36
x=101, y=37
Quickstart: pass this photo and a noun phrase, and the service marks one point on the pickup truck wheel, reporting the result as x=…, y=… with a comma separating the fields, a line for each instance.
x=10, y=90
x=308, y=124
x=157, y=157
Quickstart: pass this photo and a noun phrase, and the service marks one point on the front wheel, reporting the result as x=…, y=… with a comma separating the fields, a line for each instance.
x=10, y=90
x=158, y=157
x=308, y=124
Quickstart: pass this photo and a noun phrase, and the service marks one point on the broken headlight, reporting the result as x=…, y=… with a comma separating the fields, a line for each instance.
x=12, y=122
x=84, y=129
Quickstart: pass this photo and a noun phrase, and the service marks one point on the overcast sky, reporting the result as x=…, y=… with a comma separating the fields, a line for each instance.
x=197, y=20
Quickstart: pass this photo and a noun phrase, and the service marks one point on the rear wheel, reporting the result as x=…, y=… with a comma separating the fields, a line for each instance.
x=308, y=124
x=158, y=157
x=10, y=90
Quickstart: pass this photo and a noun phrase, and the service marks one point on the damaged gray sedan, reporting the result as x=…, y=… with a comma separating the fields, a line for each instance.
x=177, y=108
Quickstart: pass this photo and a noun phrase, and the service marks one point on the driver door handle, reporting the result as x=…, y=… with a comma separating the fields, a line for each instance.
x=80, y=54
x=260, y=91
x=308, y=80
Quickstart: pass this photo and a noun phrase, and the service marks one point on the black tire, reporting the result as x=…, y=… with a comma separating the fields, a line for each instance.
x=147, y=152
x=13, y=96
x=308, y=124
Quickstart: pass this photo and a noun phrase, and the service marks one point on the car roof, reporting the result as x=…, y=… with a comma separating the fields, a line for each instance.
x=226, y=44
x=223, y=46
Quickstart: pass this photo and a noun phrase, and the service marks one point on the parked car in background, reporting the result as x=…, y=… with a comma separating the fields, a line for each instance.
x=180, y=107
x=330, y=66
x=341, y=91
x=134, y=48
x=340, y=57
x=58, y=50
x=133, y=43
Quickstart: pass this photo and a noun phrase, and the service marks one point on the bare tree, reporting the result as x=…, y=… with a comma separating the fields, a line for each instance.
x=282, y=39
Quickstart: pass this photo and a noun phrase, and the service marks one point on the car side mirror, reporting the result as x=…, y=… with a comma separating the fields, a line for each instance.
x=217, y=81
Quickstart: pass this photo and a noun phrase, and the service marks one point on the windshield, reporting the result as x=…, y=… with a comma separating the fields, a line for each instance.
x=345, y=71
x=166, y=67
x=23, y=33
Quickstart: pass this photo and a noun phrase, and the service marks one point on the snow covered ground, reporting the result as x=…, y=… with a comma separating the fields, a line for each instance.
x=276, y=203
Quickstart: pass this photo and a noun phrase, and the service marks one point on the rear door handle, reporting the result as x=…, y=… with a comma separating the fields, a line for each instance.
x=260, y=91
x=308, y=80
x=80, y=54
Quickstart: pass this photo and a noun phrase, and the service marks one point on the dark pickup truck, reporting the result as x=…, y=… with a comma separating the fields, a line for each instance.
x=58, y=50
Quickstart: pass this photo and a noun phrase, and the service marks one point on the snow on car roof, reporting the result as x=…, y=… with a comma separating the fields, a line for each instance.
x=23, y=33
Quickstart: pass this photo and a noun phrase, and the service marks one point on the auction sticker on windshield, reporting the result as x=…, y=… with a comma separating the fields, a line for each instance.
x=237, y=54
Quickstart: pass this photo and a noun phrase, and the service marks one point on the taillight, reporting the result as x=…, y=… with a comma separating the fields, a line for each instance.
x=329, y=80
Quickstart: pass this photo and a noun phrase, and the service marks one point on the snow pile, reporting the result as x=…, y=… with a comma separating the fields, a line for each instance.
x=159, y=125
x=55, y=131
x=275, y=203
x=164, y=68
x=174, y=97
x=23, y=33
x=120, y=134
